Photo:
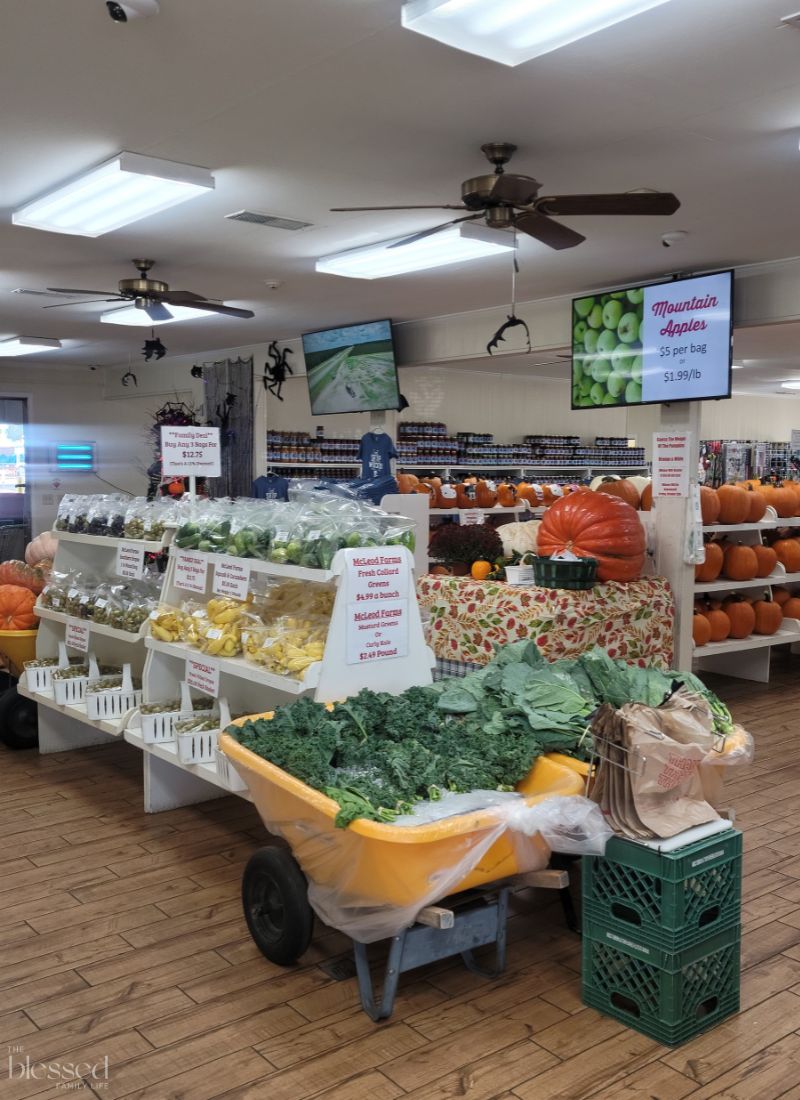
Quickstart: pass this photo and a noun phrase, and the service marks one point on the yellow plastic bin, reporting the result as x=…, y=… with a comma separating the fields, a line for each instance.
x=18, y=646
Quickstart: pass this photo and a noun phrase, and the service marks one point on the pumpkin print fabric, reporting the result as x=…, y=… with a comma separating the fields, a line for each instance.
x=633, y=621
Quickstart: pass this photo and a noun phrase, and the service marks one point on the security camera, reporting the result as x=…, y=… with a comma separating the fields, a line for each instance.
x=131, y=9
x=670, y=239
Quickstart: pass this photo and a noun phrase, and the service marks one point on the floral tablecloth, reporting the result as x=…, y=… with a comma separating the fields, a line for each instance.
x=468, y=618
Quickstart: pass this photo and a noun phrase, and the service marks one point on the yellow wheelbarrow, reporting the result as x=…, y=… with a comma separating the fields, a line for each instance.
x=378, y=881
x=18, y=715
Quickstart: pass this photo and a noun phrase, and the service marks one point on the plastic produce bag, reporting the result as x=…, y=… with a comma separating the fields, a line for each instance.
x=571, y=824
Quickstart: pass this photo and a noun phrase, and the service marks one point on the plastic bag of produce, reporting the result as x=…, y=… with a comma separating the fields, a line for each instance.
x=251, y=528
x=134, y=518
x=166, y=623
x=64, y=508
x=78, y=522
x=572, y=824
x=156, y=517
x=54, y=594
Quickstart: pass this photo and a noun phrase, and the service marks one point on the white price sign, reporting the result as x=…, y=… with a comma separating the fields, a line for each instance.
x=472, y=518
x=377, y=633
x=130, y=561
x=192, y=450
x=376, y=575
x=672, y=459
x=231, y=578
x=77, y=636
x=203, y=675
x=191, y=571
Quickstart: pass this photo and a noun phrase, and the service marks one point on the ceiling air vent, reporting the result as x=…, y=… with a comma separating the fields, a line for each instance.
x=268, y=220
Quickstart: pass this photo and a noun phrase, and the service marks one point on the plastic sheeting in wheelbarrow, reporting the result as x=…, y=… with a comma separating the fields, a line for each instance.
x=371, y=879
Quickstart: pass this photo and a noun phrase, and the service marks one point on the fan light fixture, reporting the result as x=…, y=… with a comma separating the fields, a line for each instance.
x=452, y=246
x=122, y=190
x=132, y=315
x=26, y=345
x=513, y=31
x=791, y=385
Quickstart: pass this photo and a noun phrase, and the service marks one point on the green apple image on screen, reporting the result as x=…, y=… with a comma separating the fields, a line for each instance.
x=583, y=307
x=595, y=318
x=612, y=313
x=590, y=341
x=606, y=341
x=607, y=360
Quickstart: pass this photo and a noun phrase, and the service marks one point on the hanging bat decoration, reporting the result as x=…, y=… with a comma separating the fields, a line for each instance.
x=153, y=349
x=129, y=377
x=512, y=321
x=275, y=373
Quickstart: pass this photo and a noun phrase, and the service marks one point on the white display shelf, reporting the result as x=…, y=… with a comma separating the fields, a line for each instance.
x=525, y=467
x=516, y=509
x=788, y=634
x=724, y=585
x=108, y=541
x=330, y=464
x=95, y=628
x=762, y=525
x=238, y=666
x=168, y=752
x=272, y=569
x=78, y=713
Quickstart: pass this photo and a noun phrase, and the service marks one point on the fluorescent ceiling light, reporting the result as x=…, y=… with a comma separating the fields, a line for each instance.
x=790, y=385
x=513, y=31
x=26, y=345
x=120, y=191
x=452, y=246
x=132, y=315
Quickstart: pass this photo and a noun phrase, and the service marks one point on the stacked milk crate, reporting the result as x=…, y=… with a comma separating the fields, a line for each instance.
x=661, y=932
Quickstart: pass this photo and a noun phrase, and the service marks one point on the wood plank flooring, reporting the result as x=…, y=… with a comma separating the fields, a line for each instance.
x=122, y=937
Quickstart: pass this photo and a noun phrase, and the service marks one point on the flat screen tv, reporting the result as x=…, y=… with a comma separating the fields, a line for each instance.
x=644, y=345
x=351, y=369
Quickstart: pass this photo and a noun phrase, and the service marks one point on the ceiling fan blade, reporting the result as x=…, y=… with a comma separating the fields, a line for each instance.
x=357, y=209
x=87, y=302
x=71, y=290
x=212, y=307
x=183, y=297
x=436, y=229
x=157, y=312
x=544, y=229
x=631, y=202
x=518, y=190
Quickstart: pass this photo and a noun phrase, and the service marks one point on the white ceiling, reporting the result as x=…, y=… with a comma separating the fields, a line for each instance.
x=303, y=105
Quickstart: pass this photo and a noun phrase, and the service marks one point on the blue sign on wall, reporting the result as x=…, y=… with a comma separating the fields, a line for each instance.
x=75, y=457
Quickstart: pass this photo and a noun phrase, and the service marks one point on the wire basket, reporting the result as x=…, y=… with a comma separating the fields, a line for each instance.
x=550, y=573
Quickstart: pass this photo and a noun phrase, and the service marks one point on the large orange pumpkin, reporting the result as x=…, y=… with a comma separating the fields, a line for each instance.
x=741, y=563
x=712, y=566
x=506, y=494
x=767, y=560
x=622, y=488
x=595, y=525
x=26, y=576
x=646, y=501
x=486, y=494
x=768, y=616
x=709, y=504
x=784, y=501
x=791, y=609
x=741, y=615
x=701, y=630
x=733, y=504
x=16, y=608
x=720, y=625
x=788, y=551
x=407, y=483
x=757, y=506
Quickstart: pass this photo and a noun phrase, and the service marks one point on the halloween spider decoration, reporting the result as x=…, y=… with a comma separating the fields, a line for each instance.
x=275, y=373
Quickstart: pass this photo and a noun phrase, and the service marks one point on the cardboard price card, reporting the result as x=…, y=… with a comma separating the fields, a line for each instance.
x=378, y=633
x=231, y=578
x=203, y=675
x=77, y=636
x=130, y=561
x=191, y=450
x=191, y=571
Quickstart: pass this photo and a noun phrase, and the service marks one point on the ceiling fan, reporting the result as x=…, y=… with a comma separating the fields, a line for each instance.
x=509, y=201
x=151, y=295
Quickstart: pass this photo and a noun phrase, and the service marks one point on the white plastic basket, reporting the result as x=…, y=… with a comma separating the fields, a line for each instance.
x=197, y=748
x=112, y=704
x=72, y=692
x=159, y=729
x=519, y=574
x=40, y=680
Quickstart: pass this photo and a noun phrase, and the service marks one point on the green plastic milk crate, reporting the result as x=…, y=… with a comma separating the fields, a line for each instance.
x=694, y=990
x=669, y=900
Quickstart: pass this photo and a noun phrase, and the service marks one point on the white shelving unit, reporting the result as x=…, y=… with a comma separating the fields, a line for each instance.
x=748, y=658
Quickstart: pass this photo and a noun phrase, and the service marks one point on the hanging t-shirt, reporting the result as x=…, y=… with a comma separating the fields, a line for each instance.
x=375, y=454
x=271, y=487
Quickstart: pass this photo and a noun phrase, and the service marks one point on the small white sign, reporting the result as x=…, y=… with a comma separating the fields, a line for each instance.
x=473, y=517
x=377, y=574
x=191, y=571
x=203, y=675
x=192, y=450
x=794, y=441
x=672, y=461
x=231, y=578
x=130, y=561
x=378, y=632
x=77, y=636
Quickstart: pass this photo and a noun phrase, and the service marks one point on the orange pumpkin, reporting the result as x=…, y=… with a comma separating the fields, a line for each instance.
x=733, y=504
x=595, y=525
x=767, y=560
x=781, y=595
x=16, y=608
x=440, y=570
x=506, y=494
x=720, y=625
x=622, y=488
x=742, y=616
x=788, y=551
x=740, y=562
x=446, y=495
x=646, y=501
x=407, y=483
x=769, y=616
x=480, y=570
x=712, y=566
x=757, y=506
x=709, y=504
x=466, y=495
x=791, y=609
x=751, y=483
x=701, y=630
x=784, y=501
x=17, y=572
x=485, y=494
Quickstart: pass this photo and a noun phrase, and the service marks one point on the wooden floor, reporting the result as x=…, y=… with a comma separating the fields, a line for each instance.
x=123, y=937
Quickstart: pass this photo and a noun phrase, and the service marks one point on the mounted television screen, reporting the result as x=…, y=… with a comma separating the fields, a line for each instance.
x=643, y=345
x=351, y=369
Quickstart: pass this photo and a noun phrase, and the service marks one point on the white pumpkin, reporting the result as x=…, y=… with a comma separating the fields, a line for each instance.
x=601, y=478
x=640, y=482
x=42, y=548
x=519, y=538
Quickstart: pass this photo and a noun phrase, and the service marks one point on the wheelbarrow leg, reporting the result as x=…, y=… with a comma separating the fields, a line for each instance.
x=365, y=988
x=499, y=943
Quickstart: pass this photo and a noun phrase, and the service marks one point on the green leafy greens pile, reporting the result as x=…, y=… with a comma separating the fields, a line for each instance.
x=377, y=754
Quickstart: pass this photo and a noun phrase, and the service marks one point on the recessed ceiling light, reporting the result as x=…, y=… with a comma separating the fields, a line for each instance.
x=513, y=31
x=791, y=385
x=122, y=190
x=452, y=246
x=132, y=315
x=26, y=345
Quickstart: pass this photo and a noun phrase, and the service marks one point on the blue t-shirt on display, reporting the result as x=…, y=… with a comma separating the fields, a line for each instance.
x=271, y=487
x=375, y=454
